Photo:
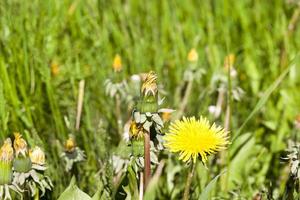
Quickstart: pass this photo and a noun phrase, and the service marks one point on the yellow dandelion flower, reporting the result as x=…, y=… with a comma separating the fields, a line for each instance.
x=149, y=85
x=6, y=151
x=191, y=138
x=192, y=55
x=117, y=64
x=20, y=144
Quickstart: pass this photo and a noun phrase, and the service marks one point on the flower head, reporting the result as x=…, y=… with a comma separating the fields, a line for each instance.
x=229, y=61
x=70, y=144
x=192, y=55
x=54, y=67
x=6, y=151
x=136, y=131
x=117, y=64
x=20, y=145
x=191, y=138
x=37, y=156
x=149, y=86
x=166, y=114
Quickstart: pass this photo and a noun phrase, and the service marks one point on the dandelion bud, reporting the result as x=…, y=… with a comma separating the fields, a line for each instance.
x=117, y=64
x=22, y=163
x=192, y=55
x=166, y=114
x=54, y=67
x=229, y=61
x=149, y=93
x=149, y=86
x=37, y=156
x=6, y=158
x=20, y=145
x=70, y=144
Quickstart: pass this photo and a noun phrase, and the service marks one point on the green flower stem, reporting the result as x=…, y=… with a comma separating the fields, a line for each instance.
x=189, y=181
x=118, y=114
x=37, y=195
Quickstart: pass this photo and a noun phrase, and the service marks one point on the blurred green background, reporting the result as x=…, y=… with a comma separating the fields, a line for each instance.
x=47, y=47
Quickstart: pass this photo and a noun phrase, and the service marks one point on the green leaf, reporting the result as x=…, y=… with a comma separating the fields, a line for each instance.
x=97, y=195
x=206, y=192
x=137, y=147
x=73, y=192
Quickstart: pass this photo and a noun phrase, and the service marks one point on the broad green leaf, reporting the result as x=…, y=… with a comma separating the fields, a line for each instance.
x=97, y=195
x=205, y=194
x=74, y=193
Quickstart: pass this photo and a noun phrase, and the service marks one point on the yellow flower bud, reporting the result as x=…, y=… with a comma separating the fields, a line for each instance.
x=117, y=64
x=166, y=114
x=192, y=55
x=229, y=61
x=54, y=67
x=20, y=145
x=70, y=144
x=6, y=151
x=37, y=156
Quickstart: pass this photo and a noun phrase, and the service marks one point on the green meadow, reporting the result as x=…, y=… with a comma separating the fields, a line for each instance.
x=73, y=70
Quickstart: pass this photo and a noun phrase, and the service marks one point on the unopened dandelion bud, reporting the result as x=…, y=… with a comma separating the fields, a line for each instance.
x=149, y=87
x=22, y=163
x=37, y=156
x=166, y=114
x=70, y=144
x=54, y=67
x=229, y=61
x=192, y=55
x=149, y=93
x=117, y=64
x=6, y=158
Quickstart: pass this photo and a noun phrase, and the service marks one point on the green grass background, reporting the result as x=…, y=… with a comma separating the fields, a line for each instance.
x=83, y=37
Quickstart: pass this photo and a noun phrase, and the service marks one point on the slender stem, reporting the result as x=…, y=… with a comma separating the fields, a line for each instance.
x=141, y=195
x=79, y=103
x=189, y=181
x=37, y=195
x=147, y=169
x=118, y=114
x=224, y=157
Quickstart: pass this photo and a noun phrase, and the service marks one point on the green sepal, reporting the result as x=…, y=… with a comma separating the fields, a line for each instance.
x=22, y=164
